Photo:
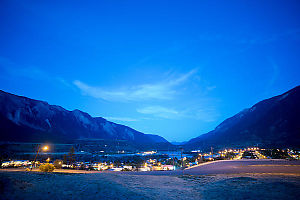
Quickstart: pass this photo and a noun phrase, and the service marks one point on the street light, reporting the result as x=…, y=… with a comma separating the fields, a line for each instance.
x=45, y=148
x=182, y=166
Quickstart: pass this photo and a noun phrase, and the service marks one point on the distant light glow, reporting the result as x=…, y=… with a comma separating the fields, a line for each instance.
x=45, y=148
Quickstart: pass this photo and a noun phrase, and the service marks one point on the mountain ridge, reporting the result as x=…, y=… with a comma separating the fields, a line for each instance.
x=39, y=120
x=270, y=122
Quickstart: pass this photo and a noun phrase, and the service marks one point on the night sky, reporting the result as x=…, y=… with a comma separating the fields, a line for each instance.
x=172, y=68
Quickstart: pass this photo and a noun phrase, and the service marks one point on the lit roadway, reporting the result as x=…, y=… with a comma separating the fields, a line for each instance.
x=239, y=156
x=259, y=155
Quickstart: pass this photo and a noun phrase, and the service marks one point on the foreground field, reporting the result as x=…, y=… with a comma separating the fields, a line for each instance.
x=243, y=179
x=35, y=185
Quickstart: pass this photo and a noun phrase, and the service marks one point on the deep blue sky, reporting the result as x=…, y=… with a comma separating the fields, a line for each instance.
x=171, y=68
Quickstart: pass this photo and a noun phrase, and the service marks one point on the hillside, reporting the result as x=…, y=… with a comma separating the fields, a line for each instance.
x=28, y=120
x=273, y=122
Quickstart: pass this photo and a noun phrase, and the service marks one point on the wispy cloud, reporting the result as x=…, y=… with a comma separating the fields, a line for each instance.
x=207, y=114
x=164, y=90
x=210, y=88
x=159, y=111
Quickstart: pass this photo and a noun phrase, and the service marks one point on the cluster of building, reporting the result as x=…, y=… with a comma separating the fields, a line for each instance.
x=235, y=154
x=16, y=163
x=165, y=163
x=294, y=154
x=149, y=165
x=154, y=165
x=220, y=154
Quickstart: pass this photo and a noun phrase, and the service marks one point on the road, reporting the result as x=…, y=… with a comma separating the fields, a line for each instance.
x=246, y=166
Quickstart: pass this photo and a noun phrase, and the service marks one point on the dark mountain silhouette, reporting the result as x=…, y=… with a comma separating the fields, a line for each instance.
x=28, y=120
x=273, y=122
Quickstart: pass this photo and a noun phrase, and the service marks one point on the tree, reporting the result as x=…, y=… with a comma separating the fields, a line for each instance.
x=65, y=159
x=58, y=164
x=71, y=156
x=46, y=167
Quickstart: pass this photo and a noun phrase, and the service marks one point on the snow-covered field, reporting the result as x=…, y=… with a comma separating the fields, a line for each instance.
x=36, y=185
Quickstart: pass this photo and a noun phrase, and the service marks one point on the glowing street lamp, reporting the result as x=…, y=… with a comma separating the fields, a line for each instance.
x=45, y=148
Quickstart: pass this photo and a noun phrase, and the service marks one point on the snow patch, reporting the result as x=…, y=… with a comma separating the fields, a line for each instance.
x=47, y=121
x=283, y=96
x=15, y=117
x=252, y=109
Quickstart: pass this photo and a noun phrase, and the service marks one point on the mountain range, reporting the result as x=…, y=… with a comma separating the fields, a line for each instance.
x=27, y=120
x=273, y=122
